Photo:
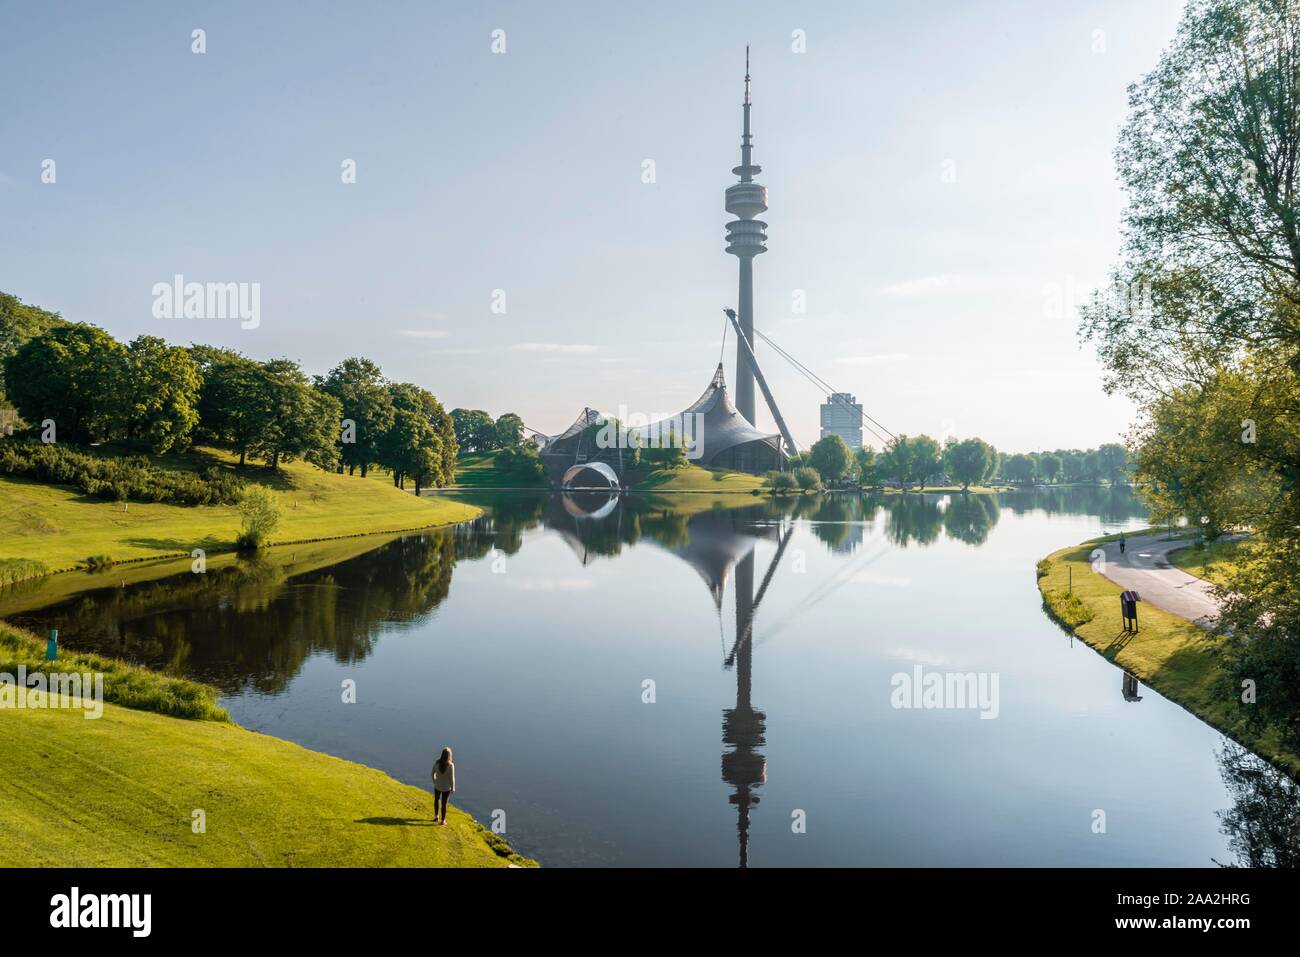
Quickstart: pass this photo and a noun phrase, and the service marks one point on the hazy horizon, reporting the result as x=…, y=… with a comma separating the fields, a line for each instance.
x=942, y=194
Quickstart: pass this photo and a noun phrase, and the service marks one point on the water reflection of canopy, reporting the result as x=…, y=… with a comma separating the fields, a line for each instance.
x=715, y=543
x=715, y=547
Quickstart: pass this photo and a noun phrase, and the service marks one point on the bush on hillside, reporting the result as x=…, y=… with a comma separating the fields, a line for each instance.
x=129, y=478
x=261, y=516
x=521, y=463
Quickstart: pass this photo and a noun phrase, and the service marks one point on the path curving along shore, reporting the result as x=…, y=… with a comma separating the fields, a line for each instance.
x=1144, y=567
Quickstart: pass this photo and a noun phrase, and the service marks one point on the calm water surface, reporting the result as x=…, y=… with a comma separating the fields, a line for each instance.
x=771, y=633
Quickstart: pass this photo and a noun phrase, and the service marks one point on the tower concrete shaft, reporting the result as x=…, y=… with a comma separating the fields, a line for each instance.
x=746, y=238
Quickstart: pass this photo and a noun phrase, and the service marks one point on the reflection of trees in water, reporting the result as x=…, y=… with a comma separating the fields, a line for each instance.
x=248, y=625
x=841, y=522
x=502, y=525
x=912, y=519
x=1111, y=503
x=1263, y=824
x=970, y=518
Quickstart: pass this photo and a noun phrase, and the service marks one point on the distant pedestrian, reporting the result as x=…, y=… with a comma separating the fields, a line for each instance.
x=444, y=784
x=1122, y=543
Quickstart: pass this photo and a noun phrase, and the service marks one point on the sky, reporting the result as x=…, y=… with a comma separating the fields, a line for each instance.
x=537, y=224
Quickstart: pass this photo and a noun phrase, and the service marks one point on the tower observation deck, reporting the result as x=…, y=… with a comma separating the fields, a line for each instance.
x=746, y=238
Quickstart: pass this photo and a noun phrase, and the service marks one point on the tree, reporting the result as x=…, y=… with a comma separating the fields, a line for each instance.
x=1113, y=461
x=896, y=460
x=1020, y=468
x=1071, y=465
x=866, y=466
x=160, y=395
x=302, y=421
x=831, y=458
x=420, y=444
x=1091, y=466
x=1191, y=459
x=968, y=461
x=363, y=394
x=475, y=430
x=521, y=464
x=20, y=323
x=924, y=459
x=235, y=400
x=665, y=450
x=1050, y=467
x=509, y=431
x=74, y=375
x=1211, y=262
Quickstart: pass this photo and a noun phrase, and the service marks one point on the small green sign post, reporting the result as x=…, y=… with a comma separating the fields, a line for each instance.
x=52, y=646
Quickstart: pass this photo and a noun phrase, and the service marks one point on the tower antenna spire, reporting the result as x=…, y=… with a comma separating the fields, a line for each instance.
x=747, y=74
x=746, y=238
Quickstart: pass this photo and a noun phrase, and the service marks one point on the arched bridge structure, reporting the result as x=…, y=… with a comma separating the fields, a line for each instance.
x=594, y=474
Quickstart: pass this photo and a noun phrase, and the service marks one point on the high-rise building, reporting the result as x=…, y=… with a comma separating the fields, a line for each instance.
x=746, y=238
x=842, y=416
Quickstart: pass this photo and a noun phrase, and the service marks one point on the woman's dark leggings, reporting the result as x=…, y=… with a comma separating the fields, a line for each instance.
x=440, y=800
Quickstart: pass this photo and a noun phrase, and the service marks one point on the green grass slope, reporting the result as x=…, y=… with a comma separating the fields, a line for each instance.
x=61, y=528
x=124, y=684
x=1214, y=562
x=479, y=470
x=693, y=478
x=121, y=791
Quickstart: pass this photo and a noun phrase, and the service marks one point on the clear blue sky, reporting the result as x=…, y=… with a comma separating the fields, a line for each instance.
x=934, y=302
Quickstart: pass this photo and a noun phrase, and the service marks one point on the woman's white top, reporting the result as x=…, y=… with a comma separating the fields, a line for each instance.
x=444, y=780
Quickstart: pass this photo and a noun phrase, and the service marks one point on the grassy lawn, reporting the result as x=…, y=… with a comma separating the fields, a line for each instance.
x=693, y=478
x=1213, y=562
x=1176, y=658
x=61, y=527
x=478, y=470
x=121, y=791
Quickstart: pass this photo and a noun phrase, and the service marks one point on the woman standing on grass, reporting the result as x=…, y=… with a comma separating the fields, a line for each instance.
x=444, y=783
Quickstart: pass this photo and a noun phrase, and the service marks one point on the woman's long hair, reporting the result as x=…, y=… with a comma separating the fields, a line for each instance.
x=444, y=759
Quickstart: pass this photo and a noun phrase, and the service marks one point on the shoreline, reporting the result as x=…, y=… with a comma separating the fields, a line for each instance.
x=1171, y=655
x=262, y=759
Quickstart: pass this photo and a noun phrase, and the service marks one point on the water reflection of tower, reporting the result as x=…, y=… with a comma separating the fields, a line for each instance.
x=719, y=545
x=742, y=727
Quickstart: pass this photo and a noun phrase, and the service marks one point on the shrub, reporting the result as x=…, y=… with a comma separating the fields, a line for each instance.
x=1044, y=567
x=1067, y=608
x=99, y=561
x=117, y=479
x=521, y=463
x=779, y=482
x=261, y=516
x=809, y=479
x=14, y=570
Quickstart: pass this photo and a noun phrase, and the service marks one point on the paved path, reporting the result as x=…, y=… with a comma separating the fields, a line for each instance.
x=1145, y=568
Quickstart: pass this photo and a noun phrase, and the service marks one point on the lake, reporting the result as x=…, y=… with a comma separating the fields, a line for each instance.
x=682, y=681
